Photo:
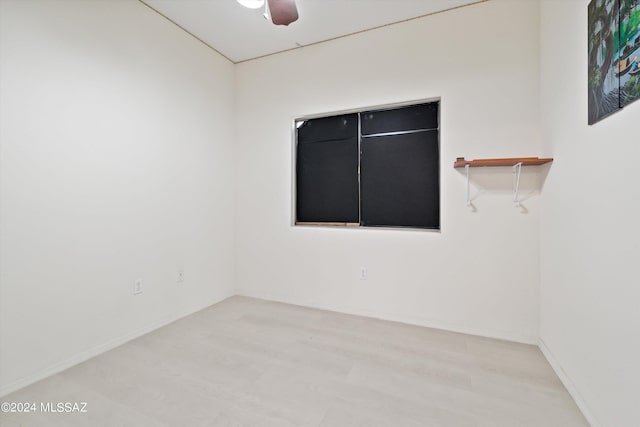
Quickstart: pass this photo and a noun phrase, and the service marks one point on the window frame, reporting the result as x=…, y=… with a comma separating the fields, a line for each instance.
x=390, y=106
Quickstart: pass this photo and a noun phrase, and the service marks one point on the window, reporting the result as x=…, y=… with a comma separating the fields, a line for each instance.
x=376, y=168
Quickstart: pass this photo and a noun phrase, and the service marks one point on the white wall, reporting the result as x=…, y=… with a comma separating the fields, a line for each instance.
x=116, y=140
x=590, y=293
x=116, y=134
x=481, y=274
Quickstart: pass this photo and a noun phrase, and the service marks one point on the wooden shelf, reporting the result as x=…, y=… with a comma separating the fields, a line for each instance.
x=526, y=161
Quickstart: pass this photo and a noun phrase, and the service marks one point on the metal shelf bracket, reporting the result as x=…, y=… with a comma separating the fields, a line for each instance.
x=466, y=171
x=517, y=170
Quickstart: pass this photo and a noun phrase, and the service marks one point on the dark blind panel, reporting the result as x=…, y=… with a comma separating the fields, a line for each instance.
x=327, y=181
x=329, y=128
x=399, y=180
x=422, y=116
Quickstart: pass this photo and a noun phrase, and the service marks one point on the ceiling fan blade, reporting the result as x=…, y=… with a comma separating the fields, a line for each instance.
x=283, y=12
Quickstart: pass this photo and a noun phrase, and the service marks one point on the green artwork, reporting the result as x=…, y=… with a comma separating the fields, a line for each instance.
x=604, y=81
x=629, y=51
x=614, y=53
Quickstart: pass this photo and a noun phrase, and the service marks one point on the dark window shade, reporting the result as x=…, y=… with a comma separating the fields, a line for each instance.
x=378, y=168
x=327, y=181
x=422, y=116
x=399, y=179
x=329, y=128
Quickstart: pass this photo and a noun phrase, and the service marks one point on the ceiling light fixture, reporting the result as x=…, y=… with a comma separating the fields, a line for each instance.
x=279, y=12
x=252, y=4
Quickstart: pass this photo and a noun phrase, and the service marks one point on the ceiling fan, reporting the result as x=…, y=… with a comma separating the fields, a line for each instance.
x=281, y=12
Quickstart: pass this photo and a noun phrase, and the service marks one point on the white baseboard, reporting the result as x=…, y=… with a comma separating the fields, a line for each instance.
x=95, y=351
x=569, y=385
x=408, y=319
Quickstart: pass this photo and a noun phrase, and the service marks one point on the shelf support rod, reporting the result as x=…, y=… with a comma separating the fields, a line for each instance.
x=517, y=169
x=466, y=171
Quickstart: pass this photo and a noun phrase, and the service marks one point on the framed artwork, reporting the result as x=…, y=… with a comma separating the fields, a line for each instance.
x=629, y=51
x=604, y=81
x=614, y=53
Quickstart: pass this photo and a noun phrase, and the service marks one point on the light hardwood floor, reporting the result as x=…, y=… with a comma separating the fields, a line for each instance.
x=249, y=362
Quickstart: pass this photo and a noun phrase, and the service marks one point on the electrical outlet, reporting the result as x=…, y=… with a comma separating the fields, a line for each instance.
x=180, y=275
x=137, y=287
x=363, y=273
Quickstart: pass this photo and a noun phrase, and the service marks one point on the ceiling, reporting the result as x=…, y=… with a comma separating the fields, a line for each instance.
x=241, y=34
